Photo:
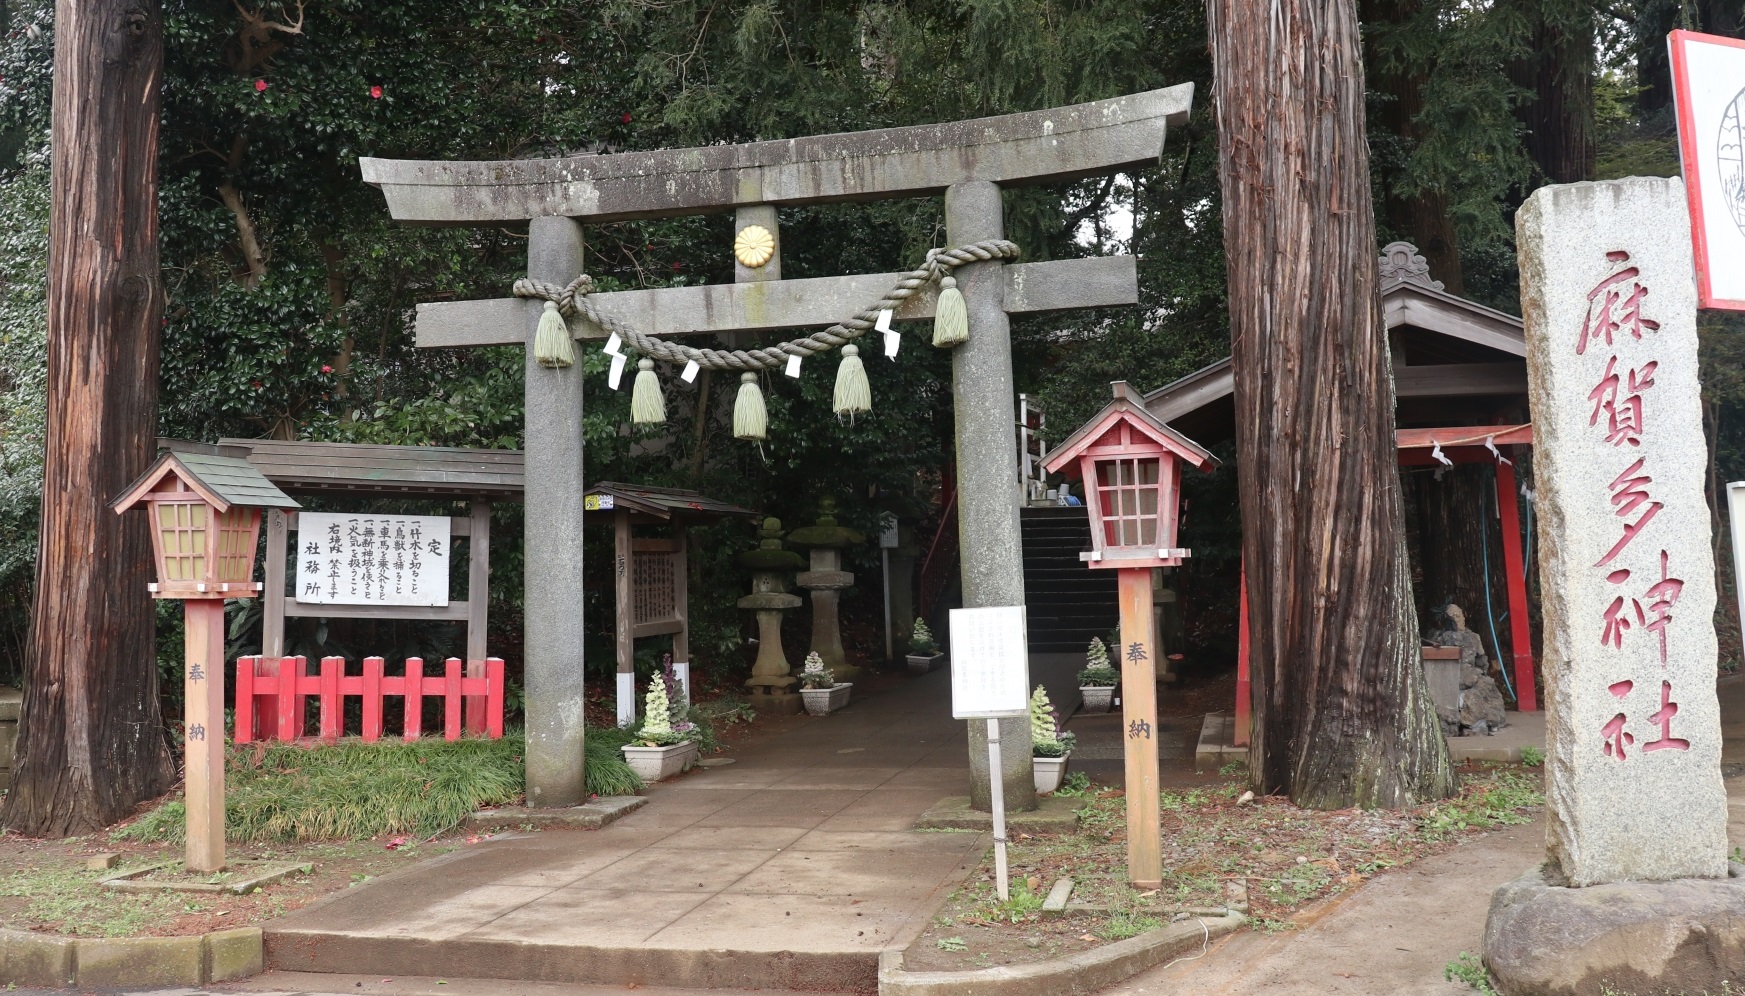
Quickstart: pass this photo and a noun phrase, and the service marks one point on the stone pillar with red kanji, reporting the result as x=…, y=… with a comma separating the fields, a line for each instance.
x=1633, y=779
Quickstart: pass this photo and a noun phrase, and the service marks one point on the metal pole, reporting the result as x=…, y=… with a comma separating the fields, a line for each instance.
x=998, y=797
x=885, y=562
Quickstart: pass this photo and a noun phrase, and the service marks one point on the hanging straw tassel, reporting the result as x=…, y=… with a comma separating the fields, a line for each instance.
x=552, y=345
x=951, y=315
x=646, y=403
x=852, y=392
x=749, y=417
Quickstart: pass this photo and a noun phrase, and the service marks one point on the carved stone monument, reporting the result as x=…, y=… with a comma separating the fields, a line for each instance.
x=825, y=581
x=1635, y=890
x=770, y=564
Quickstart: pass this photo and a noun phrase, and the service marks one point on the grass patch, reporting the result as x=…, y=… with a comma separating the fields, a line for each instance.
x=352, y=790
x=71, y=900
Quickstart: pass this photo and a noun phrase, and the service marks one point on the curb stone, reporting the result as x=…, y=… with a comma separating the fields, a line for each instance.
x=1085, y=972
x=29, y=959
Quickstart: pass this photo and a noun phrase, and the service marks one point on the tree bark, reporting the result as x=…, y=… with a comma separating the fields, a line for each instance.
x=1559, y=76
x=1424, y=216
x=91, y=742
x=1341, y=713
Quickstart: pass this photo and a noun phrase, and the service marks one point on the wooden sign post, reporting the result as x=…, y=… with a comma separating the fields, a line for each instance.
x=1131, y=466
x=203, y=752
x=205, y=514
x=1139, y=726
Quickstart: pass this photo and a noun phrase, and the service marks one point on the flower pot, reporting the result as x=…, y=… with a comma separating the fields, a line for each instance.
x=1049, y=771
x=652, y=764
x=1098, y=698
x=923, y=663
x=824, y=701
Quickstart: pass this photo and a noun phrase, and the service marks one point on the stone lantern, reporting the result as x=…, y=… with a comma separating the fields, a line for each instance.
x=770, y=566
x=825, y=581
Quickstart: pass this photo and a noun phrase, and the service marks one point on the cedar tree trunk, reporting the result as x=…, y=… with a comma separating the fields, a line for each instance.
x=91, y=741
x=1341, y=714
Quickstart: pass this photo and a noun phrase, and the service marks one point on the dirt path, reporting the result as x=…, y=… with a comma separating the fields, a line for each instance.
x=1391, y=938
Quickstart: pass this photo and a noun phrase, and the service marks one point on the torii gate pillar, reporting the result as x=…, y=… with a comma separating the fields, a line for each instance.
x=554, y=489
x=985, y=402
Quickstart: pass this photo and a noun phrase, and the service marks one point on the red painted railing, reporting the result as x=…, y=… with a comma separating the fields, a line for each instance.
x=271, y=693
x=941, y=556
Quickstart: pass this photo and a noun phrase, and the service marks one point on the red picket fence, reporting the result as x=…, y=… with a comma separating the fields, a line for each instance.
x=271, y=693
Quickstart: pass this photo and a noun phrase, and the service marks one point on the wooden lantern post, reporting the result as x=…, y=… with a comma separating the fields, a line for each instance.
x=205, y=523
x=1131, y=467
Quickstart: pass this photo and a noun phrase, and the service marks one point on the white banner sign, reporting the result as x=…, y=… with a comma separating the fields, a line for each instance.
x=372, y=559
x=990, y=663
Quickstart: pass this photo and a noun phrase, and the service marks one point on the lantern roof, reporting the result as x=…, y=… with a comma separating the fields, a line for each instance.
x=1128, y=407
x=221, y=482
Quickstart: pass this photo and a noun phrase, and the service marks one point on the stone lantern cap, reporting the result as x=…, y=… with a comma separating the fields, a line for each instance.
x=826, y=533
x=770, y=555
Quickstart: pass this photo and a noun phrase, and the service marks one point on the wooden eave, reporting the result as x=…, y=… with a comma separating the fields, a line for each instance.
x=1404, y=305
x=303, y=467
x=665, y=504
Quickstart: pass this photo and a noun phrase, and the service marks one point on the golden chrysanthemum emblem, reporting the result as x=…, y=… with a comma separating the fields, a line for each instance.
x=753, y=246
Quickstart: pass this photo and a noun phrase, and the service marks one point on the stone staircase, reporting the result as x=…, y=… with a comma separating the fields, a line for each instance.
x=1068, y=602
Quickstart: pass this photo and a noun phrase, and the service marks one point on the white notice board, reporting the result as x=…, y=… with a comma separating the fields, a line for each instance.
x=372, y=559
x=990, y=663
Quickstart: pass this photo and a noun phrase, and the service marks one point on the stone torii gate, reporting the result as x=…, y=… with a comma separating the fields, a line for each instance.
x=967, y=161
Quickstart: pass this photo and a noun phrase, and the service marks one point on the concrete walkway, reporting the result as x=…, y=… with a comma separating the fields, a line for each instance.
x=801, y=850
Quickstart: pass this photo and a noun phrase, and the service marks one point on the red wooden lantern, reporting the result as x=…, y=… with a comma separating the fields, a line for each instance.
x=205, y=521
x=1131, y=465
x=205, y=518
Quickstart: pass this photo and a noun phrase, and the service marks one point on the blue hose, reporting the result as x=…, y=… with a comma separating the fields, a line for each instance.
x=1484, y=528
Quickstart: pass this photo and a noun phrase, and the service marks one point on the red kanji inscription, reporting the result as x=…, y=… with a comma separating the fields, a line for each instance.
x=1630, y=492
x=1619, y=397
x=1614, y=305
x=1663, y=719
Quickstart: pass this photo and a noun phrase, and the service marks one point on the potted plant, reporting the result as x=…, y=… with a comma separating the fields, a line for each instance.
x=1050, y=745
x=822, y=693
x=924, y=652
x=1098, y=679
x=661, y=748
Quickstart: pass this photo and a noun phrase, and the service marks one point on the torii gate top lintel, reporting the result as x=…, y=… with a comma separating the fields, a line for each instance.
x=1052, y=145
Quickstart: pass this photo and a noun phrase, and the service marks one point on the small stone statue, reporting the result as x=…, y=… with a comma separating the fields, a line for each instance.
x=1481, y=701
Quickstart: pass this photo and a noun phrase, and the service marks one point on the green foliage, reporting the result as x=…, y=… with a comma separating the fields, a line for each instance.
x=1097, y=672
x=657, y=723
x=921, y=638
x=1123, y=924
x=23, y=410
x=1502, y=799
x=1046, y=737
x=1471, y=971
x=815, y=675
x=1532, y=756
x=352, y=790
x=605, y=770
x=1076, y=785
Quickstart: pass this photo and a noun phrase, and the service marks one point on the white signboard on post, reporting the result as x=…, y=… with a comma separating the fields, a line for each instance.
x=345, y=559
x=1708, y=74
x=990, y=663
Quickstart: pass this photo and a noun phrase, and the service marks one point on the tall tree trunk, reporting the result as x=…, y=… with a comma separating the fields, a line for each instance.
x=91, y=742
x=1423, y=216
x=1341, y=713
x=1558, y=75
